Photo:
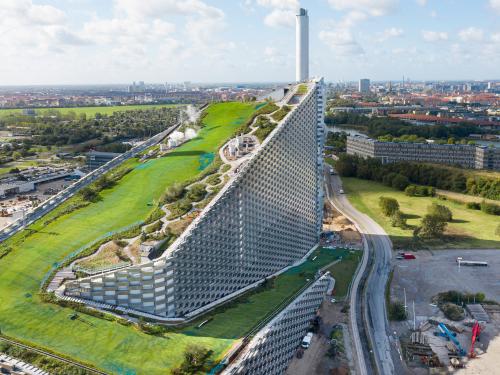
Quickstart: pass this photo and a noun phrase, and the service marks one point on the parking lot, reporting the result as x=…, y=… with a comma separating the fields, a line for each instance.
x=438, y=271
x=434, y=272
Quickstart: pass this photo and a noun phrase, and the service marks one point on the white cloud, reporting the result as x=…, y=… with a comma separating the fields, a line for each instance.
x=434, y=36
x=342, y=42
x=471, y=34
x=495, y=4
x=422, y=2
x=282, y=12
x=374, y=8
x=392, y=32
x=164, y=8
x=495, y=38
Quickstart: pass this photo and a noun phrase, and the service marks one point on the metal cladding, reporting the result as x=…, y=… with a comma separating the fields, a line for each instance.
x=266, y=218
x=272, y=348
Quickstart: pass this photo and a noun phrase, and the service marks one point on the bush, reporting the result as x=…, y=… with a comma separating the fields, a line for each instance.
x=281, y=113
x=88, y=194
x=153, y=227
x=410, y=190
x=400, y=182
x=388, y=205
x=473, y=205
x=452, y=311
x=213, y=179
x=196, y=360
x=432, y=226
x=173, y=193
x=397, y=311
x=398, y=220
x=196, y=192
x=179, y=208
x=490, y=208
x=440, y=211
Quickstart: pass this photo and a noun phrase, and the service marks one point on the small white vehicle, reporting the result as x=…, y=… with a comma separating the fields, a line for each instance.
x=341, y=191
x=306, y=341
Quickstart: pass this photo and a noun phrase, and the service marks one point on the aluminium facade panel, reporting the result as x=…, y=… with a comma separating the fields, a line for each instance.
x=265, y=219
x=271, y=349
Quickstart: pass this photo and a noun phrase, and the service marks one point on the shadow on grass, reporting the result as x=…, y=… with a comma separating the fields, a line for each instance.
x=447, y=241
x=411, y=216
x=185, y=153
x=460, y=221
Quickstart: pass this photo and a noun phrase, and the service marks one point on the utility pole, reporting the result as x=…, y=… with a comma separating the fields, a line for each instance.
x=406, y=307
x=414, y=318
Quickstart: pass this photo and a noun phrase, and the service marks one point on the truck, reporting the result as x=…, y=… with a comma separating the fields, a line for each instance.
x=403, y=255
x=306, y=341
x=472, y=263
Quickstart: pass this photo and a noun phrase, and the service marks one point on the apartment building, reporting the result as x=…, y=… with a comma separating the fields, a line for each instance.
x=466, y=156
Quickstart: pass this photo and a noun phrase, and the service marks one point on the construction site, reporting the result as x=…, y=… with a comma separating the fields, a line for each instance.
x=452, y=320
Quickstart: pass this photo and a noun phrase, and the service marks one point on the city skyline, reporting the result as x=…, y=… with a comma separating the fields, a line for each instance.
x=58, y=42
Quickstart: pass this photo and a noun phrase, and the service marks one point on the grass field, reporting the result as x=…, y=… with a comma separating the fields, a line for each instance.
x=343, y=272
x=469, y=229
x=107, y=345
x=235, y=321
x=89, y=111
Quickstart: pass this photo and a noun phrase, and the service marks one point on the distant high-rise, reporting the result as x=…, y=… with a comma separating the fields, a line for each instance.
x=364, y=85
x=302, y=46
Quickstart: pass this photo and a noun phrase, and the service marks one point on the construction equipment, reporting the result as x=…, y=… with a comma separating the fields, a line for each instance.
x=445, y=332
x=476, y=331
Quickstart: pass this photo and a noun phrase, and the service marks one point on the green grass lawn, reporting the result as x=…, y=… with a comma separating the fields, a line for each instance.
x=235, y=321
x=469, y=229
x=343, y=272
x=107, y=345
x=89, y=111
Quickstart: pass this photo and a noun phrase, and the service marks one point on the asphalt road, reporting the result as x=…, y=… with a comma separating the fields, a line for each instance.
x=386, y=348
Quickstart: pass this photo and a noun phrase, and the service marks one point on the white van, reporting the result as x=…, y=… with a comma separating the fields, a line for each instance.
x=306, y=341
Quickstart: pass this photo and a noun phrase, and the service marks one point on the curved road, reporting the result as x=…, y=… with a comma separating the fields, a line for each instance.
x=386, y=350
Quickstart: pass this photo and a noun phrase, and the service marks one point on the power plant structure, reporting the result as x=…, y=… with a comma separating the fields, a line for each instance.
x=266, y=218
x=302, y=46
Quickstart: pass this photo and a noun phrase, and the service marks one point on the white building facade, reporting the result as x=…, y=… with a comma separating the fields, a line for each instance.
x=265, y=219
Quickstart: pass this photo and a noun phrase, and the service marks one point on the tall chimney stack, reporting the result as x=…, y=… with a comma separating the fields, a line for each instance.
x=302, y=46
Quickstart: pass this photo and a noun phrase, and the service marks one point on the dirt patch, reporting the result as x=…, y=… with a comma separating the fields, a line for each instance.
x=346, y=232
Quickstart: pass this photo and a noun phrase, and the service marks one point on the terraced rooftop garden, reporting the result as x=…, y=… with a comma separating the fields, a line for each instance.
x=30, y=255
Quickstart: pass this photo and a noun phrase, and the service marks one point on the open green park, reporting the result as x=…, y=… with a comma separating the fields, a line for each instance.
x=103, y=344
x=89, y=111
x=469, y=228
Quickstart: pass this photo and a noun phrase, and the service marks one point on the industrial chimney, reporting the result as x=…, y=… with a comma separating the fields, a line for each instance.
x=302, y=46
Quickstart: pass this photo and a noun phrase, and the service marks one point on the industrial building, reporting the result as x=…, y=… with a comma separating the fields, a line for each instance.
x=96, y=159
x=466, y=156
x=265, y=219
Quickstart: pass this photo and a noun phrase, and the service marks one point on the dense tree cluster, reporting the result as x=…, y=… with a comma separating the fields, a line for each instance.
x=403, y=174
x=337, y=141
x=377, y=127
x=55, y=128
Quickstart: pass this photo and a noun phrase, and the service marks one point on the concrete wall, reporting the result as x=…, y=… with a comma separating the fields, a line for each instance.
x=265, y=219
x=272, y=348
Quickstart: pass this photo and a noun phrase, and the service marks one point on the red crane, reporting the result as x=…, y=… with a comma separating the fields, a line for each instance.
x=476, y=331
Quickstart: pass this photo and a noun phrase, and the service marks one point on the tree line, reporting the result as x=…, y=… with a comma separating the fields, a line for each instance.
x=377, y=127
x=54, y=128
x=402, y=174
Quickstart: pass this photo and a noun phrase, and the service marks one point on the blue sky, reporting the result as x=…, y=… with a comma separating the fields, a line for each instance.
x=118, y=41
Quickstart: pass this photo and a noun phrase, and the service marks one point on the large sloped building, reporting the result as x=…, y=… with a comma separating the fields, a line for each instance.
x=266, y=218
